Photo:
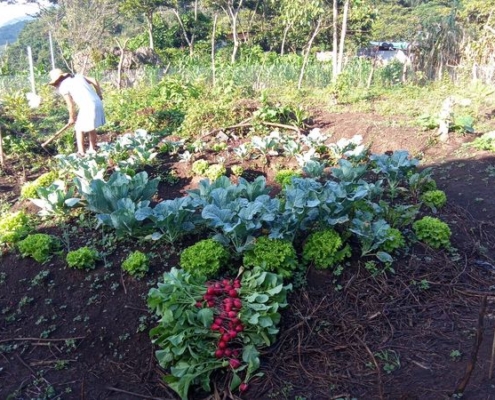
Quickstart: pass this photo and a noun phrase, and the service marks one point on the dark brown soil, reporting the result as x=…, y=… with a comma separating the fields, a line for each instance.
x=77, y=335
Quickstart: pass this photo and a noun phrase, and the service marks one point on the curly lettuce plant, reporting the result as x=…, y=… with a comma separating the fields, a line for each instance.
x=274, y=255
x=432, y=231
x=199, y=167
x=215, y=171
x=435, y=199
x=205, y=257
x=325, y=249
x=394, y=241
x=82, y=258
x=39, y=246
x=206, y=326
x=30, y=189
x=14, y=226
x=284, y=176
x=136, y=264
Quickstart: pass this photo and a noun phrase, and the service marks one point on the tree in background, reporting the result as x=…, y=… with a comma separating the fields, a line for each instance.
x=232, y=9
x=146, y=8
x=81, y=26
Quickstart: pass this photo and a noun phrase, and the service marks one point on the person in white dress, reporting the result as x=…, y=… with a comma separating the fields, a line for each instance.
x=84, y=93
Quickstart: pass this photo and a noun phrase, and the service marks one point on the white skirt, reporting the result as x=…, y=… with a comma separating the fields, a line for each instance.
x=90, y=117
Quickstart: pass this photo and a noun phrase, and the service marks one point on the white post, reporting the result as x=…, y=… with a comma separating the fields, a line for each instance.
x=51, y=50
x=31, y=69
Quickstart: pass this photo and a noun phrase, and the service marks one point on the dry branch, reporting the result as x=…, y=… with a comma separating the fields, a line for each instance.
x=246, y=124
x=461, y=387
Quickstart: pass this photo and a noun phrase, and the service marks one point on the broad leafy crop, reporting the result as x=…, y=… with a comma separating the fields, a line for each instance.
x=55, y=199
x=172, y=218
x=117, y=200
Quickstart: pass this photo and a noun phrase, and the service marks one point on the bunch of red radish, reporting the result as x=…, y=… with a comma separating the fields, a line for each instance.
x=223, y=296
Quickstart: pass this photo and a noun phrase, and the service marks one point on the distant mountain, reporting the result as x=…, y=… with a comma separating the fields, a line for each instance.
x=9, y=33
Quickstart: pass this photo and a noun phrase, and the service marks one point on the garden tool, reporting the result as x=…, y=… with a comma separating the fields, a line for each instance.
x=56, y=135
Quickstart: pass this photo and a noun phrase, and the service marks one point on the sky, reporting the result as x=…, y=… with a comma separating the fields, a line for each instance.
x=12, y=13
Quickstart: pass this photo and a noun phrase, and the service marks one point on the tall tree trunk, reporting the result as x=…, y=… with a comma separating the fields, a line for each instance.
x=149, y=20
x=335, y=41
x=307, y=52
x=235, y=37
x=213, y=70
x=284, y=38
x=184, y=32
x=342, y=37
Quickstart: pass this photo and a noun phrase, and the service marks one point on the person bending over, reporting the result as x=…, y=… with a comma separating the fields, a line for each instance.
x=84, y=93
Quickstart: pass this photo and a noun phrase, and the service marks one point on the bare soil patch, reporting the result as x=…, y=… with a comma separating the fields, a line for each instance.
x=76, y=335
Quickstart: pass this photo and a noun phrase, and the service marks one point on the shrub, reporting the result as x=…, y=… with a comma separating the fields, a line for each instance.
x=199, y=167
x=433, y=232
x=215, y=171
x=284, y=176
x=136, y=264
x=40, y=246
x=82, y=258
x=395, y=241
x=204, y=258
x=434, y=198
x=30, y=189
x=325, y=249
x=14, y=227
x=275, y=255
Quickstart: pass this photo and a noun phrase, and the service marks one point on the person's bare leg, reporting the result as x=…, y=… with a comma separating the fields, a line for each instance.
x=80, y=142
x=92, y=140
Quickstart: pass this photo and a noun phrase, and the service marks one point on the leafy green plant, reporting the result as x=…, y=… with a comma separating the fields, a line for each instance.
x=172, y=218
x=435, y=199
x=29, y=189
x=39, y=246
x=199, y=167
x=274, y=255
x=82, y=258
x=55, y=199
x=215, y=325
x=463, y=124
x=325, y=249
x=395, y=240
x=205, y=257
x=14, y=226
x=284, y=176
x=215, y=171
x=117, y=200
x=374, y=235
x=394, y=168
x=237, y=170
x=136, y=264
x=484, y=142
x=433, y=232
